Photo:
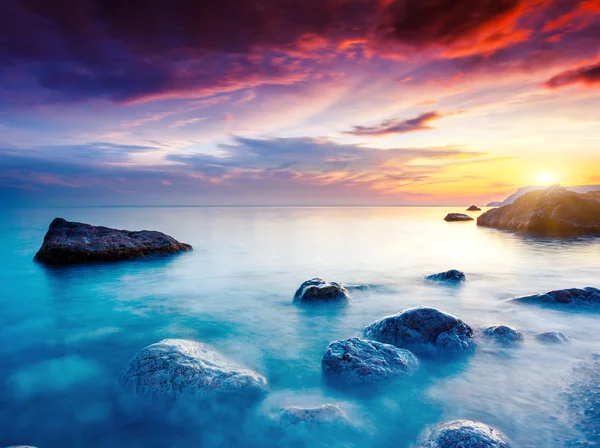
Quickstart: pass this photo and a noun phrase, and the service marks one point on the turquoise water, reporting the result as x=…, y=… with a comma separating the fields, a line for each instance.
x=67, y=332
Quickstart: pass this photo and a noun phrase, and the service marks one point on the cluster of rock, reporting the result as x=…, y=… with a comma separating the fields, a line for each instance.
x=326, y=414
x=502, y=335
x=74, y=242
x=554, y=210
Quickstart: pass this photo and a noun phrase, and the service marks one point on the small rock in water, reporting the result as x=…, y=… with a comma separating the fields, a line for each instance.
x=359, y=361
x=74, y=242
x=552, y=337
x=564, y=297
x=473, y=208
x=423, y=330
x=326, y=414
x=457, y=217
x=464, y=434
x=317, y=290
x=174, y=367
x=502, y=335
x=453, y=275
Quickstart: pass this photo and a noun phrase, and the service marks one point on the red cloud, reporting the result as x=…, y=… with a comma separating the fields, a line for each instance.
x=586, y=75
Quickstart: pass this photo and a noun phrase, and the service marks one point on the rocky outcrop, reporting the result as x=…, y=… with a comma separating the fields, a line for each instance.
x=326, y=414
x=552, y=337
x=581, y=189
x=502, y=335
x=74, y=242
x=554, y=210
x=564, y=297
x=451, y=217
x=473, y=208
x=174, y=367
x=317, y=290
x=359, y=361
x=423, y=330
x=451, y=276
x=464, y=434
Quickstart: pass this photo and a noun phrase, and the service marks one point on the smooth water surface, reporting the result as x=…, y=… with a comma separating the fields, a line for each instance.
x=67, y=332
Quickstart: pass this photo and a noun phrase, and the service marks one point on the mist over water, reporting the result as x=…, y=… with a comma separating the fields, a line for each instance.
x=68, y=332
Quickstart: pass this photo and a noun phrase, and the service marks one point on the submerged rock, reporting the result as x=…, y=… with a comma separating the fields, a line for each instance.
x=564, y=297
x=74, y=242
x=464, y=434
x=450, y=276
x=552, y=337
x=583, y=397
x=473, y=208
x=326, y=414
x=554, y=210
x=174, y=367
x=317, y=290
x=502, y=335
x=457, y=217
x=423, y=330
x=359, y=361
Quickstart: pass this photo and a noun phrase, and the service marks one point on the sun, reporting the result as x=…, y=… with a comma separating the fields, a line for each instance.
x=545, y=178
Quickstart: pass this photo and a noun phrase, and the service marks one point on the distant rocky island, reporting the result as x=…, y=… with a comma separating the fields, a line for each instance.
x=524, y=190
x=75, y=242
x=554, y=210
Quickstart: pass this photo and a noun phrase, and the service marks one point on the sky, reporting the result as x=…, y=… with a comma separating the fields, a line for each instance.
x=284, y=102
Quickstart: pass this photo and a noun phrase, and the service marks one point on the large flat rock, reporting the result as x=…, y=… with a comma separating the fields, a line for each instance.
x=554, y=210
x=74, y=242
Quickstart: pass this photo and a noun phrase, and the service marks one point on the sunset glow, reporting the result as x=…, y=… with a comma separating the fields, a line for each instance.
x=397, y=102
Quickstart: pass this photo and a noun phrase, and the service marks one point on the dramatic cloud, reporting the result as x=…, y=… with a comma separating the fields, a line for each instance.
x=138, y=51
x=585, y=75
x=395, y=126
x=301, y=165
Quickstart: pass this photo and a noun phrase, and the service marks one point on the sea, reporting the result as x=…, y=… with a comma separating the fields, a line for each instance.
x=66, y=333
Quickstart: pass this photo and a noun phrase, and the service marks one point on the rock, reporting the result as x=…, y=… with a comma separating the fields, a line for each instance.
x=450, y=217
x=502, y=335
x=174, y=367
x=473, y=208
x=564, y=297
x=423, y=330
x=74, y=242
x=552, y=337
x=583, y=399
x=465, y=434
x=554, y=210
x=358, y=361
x=326, y=414
x=494, y=204
x=452, y=275
x=524, y=190
x=317, y=290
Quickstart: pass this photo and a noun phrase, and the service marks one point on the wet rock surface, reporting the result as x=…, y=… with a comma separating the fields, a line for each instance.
x=502, y=335
x=464, y=434
x=326, y=414
x=564, y=297
x=316, y=291
x=552, y=337
x=74, y=242
x=583, y=398
x=423, y=330
x=359, y=361
x=451, y=217
x=174, y=367
x=451, y=276
x=554, y=210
